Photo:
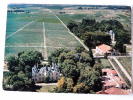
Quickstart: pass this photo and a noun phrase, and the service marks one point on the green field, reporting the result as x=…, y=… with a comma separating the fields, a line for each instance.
x=45, y=33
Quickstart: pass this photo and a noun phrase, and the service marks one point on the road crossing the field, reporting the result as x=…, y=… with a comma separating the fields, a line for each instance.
x=20, y=29
x=69, y=31
x=44, y=38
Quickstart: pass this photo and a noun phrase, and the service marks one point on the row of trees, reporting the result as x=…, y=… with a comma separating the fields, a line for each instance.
x=92, y=39
x=19, y=76
x=80, y=73
x=93, y=32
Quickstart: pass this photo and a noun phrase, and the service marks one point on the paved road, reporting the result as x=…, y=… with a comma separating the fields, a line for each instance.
x=44, y=38
x=45, y=84
x=19, y=29
x=109, y=56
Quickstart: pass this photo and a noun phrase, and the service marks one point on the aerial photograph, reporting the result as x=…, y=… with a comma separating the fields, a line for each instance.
x=58, y=48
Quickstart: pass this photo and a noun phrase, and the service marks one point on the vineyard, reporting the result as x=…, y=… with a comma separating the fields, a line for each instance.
x=43, y=33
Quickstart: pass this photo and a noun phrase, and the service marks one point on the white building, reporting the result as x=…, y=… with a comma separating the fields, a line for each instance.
x=45, y=74
x=112, y=34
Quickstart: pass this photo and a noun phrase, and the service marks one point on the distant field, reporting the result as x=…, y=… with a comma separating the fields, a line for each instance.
x=127, y=63
x=123, y=16
x=66, y=18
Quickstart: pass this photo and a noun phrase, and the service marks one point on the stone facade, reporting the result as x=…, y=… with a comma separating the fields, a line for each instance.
x=46, y=73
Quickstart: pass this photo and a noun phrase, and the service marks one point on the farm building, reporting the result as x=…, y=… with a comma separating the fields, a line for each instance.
x=109, y=72
x=103, y=49
x=111, y=79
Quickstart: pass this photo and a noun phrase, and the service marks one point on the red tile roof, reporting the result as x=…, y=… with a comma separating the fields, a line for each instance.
x=104, y=48
x=114, y=80
x=117, y=91
x=110, y=83
x=110, y=71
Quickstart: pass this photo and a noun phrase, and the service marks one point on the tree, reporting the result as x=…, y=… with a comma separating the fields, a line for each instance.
x=64, y=85
x=98, y=67
x=88, y=22
x=120, y=47
x=86, y=58
x=53, y=58
x=6, y=77
x=122, y=36
x=70, y=70
x=24, y=61
x=79, y=49
x=20, y=82
x=91, y=39
x=30, y=58
x=13, y=63
x=27, y=60
x=21, y=67
x=71, y=25
x=81, y=88
x=107, y=25
x=92, y=79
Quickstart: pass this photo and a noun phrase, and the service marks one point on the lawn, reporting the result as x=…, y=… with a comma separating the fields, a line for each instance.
x=46, y=88
x=105, y=63
x=127, y=63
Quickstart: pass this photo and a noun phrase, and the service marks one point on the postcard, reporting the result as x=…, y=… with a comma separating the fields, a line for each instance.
x=68, y=48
